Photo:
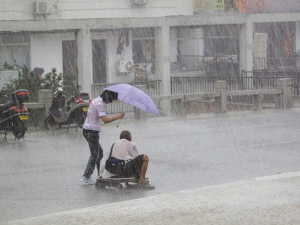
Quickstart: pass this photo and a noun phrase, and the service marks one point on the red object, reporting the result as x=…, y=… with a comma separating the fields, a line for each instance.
x=241, y=5
x=16, y=109
x=287, y=42
x=258, y=5
x=23, y=93
x=122, y=39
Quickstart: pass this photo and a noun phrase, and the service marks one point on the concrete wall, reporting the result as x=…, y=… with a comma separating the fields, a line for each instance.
x=114, y=58
x=84, y=9
x=46, y=50
x=6, y=76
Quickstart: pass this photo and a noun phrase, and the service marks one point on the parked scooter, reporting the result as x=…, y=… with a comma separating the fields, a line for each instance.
x=14, y=114
x=76, y=113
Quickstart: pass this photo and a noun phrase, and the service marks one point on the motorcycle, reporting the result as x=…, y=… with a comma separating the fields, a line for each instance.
x=14, y=114
x=76, y=113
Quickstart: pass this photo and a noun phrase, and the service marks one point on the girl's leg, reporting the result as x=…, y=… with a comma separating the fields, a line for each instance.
x=92, y=138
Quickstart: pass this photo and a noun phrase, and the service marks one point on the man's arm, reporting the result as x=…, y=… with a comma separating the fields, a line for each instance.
x=111, y=119
x=133, y=151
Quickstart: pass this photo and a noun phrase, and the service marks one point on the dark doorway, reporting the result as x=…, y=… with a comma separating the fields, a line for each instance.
x=69, y=60
x=99, y=61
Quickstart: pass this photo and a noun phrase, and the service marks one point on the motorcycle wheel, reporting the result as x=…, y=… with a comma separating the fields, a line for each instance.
x=50, y=124
x=18, y=128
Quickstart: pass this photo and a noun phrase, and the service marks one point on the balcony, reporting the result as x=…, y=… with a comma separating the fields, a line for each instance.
x=276, y=64
x=205, y=65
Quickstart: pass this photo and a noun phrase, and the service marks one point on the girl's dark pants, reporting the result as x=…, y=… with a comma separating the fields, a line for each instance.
x=96, y=150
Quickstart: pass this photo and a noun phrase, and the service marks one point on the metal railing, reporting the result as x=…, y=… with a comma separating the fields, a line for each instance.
x=248, y=81
x=183, y=85
x=268, y=79
x=276, y=64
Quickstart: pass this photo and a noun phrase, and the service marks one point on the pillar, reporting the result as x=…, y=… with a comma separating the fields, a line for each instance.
x=163, y=64
x=246, y=48
x=138, y=113
x=221, y=101
x=286, y=85
x=257, y=102
x=84, y=60
x=45, y=97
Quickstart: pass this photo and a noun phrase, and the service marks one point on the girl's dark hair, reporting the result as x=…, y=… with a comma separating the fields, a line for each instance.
x=109, y=96
x=125, y=134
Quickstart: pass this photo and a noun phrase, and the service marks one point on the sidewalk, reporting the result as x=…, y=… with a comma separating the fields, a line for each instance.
x=265, y=200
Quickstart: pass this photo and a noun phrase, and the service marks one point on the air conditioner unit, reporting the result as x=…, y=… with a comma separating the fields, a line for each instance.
x=140, y=2
x=125, y=66
x=40, y=7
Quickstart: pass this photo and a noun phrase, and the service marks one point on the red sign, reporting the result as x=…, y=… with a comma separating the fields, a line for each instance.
x=241, y=5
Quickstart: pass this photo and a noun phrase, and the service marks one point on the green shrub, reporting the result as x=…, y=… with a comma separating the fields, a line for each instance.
x=33, y=83
x=25, y=80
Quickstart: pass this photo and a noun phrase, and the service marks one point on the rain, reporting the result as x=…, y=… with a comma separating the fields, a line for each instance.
x=223, y=76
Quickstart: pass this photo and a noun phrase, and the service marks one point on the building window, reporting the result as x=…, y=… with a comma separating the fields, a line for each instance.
x=14, y=50
x=143, y=45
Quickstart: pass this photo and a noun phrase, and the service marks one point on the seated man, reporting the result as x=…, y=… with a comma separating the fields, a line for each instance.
x=136, y=165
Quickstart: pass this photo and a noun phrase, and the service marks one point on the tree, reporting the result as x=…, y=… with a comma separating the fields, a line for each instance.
x=52, y=80
x=26, y=80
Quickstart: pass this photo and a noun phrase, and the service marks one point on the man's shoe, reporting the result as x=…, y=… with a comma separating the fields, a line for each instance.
x=87, y=180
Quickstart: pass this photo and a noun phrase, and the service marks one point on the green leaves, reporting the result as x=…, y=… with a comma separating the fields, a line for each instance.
x=34, y=83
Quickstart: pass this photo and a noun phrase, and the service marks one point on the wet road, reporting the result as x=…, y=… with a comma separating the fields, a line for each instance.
x=41, y=175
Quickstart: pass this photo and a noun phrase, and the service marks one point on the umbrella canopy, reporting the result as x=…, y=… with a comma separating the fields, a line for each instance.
x=134, y=96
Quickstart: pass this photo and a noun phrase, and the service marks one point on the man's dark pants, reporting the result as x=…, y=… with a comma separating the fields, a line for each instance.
x=133, y=167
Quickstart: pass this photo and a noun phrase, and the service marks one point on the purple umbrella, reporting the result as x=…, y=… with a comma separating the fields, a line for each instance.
x=134, y=96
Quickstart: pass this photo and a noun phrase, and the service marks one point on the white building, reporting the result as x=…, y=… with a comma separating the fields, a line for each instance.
x=81, y=37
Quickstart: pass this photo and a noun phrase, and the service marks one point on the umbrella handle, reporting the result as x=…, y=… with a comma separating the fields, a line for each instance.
x=119, y=122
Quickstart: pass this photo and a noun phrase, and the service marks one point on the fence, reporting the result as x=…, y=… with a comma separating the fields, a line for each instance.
x=282, y=97
x=248, y=81
x=182, y=85
x=268, y=79
x=278, y=64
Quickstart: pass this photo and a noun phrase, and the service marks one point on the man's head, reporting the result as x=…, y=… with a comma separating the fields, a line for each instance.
x=125, y=134
x=109, y=96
